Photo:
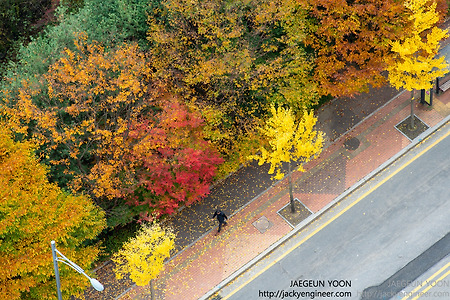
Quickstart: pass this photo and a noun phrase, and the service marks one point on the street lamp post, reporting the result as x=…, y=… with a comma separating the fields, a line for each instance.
x=95, y=283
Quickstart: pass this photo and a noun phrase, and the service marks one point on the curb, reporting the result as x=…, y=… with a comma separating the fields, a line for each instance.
x=311, y=218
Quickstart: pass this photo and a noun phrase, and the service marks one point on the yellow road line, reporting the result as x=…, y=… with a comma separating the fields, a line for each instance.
x=430, y=286
x=426, y=281
x=336, y=216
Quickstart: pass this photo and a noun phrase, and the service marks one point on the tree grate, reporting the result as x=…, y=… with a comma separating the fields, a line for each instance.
x=411, y=134
x=293, y=219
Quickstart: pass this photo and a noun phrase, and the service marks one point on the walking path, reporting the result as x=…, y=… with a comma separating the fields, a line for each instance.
x=361, y=137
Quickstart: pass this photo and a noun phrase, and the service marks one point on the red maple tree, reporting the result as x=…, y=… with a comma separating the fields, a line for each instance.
x=172, y=164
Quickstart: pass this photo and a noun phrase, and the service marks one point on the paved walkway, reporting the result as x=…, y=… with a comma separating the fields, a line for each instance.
x=204, y=260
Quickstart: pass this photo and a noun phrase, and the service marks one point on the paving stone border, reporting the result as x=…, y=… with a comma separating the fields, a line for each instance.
x=293, y=219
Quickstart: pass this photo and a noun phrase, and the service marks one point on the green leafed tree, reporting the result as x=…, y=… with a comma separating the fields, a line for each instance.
x=17, y=22
x=110, y=22
x=414, y=65
x=289, y=140
x=33, y=212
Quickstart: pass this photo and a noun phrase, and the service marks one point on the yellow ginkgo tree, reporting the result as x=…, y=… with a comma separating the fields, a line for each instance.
x=414, y=64
x=289, y=140
x=142, y=257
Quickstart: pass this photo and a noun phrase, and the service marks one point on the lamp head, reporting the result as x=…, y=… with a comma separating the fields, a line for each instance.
x=96, y=284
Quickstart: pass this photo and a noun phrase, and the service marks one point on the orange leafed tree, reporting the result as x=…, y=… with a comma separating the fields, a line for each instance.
x=79, y=112
x=351, y=40
x=33, y=212
x=99, y=116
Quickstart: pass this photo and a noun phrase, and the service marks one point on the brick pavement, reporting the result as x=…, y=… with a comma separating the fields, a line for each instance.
x=213, y=258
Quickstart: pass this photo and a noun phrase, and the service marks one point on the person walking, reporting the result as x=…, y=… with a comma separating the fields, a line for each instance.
x=221, y=217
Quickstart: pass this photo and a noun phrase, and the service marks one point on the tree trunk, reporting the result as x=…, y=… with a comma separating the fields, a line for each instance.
x=152, y=290
x=291, y=195
x=412, y=126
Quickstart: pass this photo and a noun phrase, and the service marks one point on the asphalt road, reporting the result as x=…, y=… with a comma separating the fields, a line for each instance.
x=376, y=244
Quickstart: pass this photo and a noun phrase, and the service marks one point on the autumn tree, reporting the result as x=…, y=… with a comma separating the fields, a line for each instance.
x=351, y=41
x=170, y=162
x=289, y=140
x=414, y=64
x=142, y=257
x=231, y=59
x=107, y=127
x=33, y=212
x=79, y=112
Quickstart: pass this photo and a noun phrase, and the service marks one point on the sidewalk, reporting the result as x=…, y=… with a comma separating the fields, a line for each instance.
x=212, y=259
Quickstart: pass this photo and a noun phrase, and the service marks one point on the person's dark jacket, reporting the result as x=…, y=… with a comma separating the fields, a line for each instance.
x=221, y=217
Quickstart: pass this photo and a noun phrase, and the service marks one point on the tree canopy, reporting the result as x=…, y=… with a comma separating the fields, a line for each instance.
x=33, y=212
x=232, y=59
x=289, y=140
x=351, y=42
x=143, y=257
x=140, y=104
x=106, y=126
x=414, y=64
